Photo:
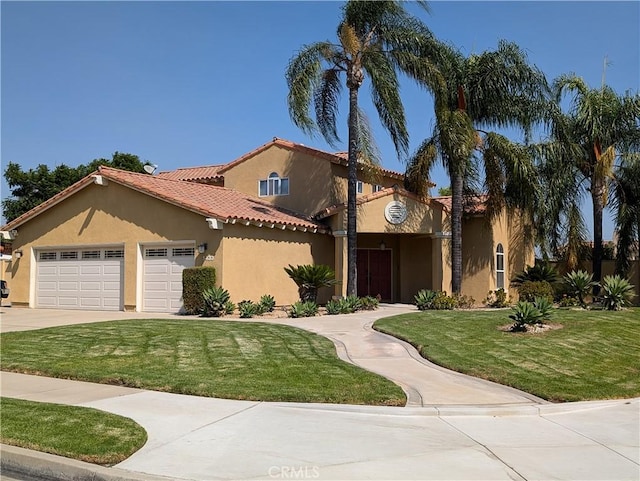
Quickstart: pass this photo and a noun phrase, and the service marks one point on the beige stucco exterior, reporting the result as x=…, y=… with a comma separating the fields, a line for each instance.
x=249, y=257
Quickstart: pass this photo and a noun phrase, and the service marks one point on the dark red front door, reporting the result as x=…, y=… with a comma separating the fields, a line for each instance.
x=374, y=273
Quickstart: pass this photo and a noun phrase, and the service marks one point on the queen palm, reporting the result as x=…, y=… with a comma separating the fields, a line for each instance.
x=600, y=129
x=471, y=94
x=374, y=40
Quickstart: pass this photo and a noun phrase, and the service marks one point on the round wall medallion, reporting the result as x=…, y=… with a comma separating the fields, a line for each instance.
x=395, y=212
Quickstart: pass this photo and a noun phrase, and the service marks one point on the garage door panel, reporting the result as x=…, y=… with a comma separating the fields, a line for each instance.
x=162, y=276
x=68, y=270
x=72, y=283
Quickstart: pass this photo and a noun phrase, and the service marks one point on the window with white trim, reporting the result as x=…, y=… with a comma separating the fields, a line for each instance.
x=499, y=267
x=360, y=187
x=68, y=255
x=274, y=185
x=47, y=256
x=91, y=254
x=377, y=188
x=114, y=254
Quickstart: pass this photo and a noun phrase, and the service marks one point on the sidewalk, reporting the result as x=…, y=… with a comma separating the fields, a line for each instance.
x=495, y=435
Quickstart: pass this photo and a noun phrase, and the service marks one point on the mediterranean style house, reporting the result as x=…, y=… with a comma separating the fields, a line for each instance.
x=119, y=240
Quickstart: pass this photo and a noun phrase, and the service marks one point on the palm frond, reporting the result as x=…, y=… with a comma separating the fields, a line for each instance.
x=326, y=101
x=417, y=174
x=303, y=74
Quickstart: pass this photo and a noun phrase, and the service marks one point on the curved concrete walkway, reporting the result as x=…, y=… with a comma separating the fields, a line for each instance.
x=475, y=431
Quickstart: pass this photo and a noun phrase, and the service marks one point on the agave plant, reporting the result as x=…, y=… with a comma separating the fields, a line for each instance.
x=617, y=292
x=310, y=278
x=580, y=283
x=525, y=313
x=544, y=306
x=216, y=302
x=424, y=299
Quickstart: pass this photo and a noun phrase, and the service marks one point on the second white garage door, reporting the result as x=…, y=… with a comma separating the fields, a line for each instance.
x=162, y=276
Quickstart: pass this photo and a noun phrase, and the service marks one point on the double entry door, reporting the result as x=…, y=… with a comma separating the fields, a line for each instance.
x=374, y=273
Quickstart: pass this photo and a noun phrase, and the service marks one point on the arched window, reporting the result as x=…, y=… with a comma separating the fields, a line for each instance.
x=499, y=267
x=274, y=185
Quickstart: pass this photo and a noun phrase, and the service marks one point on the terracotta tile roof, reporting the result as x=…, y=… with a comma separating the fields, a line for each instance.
x=221, y=203
x=473, y=205
x=193, y=173
x=363, y=199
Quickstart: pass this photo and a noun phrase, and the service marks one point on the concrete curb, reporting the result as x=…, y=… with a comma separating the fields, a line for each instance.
x=48, y=467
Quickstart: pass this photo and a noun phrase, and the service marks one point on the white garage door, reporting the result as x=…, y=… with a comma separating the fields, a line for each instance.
x=162, y=276
x=79, y=278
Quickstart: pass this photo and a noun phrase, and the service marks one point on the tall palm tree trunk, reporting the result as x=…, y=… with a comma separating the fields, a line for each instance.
x=352, y=225
x=457, y=180
x=597, y=196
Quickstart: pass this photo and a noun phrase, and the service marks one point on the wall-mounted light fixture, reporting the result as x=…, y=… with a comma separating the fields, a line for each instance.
x=18, y=253
x=202, y=248
x=13, y=233
x=383, y=246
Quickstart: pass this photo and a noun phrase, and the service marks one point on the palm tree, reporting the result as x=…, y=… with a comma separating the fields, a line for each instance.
x=375, y=39
x=626, y=202
x=579, y=159
x=493, y=89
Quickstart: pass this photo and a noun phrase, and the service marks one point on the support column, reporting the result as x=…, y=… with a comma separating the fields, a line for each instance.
x=340, y=263
x=441, y=261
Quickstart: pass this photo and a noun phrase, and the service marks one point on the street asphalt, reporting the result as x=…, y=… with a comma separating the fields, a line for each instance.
x=454, y=427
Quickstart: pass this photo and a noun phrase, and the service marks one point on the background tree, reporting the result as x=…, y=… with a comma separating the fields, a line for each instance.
x=579, y=159
x=375, y=39
x=31, y=188
x=493, y=89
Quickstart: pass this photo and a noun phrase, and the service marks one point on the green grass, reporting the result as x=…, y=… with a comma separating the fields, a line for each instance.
x=224, y=359
x=74, y=432
x=595, y=355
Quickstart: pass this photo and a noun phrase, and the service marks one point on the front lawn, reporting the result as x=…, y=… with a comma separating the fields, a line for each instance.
x=71, y=431
x=225, y=359
x=595, y=355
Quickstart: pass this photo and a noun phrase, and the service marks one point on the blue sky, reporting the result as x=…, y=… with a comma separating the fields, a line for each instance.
x=197, y=83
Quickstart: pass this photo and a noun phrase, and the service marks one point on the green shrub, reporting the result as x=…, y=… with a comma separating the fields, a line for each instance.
x=525, y=313
x=248, y=309
x=580, y=284
x=497, y=298
x=464, y=302
x=267, y=303
x=424, y=299
x=568, y=301
x=530, y=290
x=369, y=303
x=196, y=280
x=443, y=302
x=216, y=301
x=617, y=292
x=303, y=309
x=310, y=278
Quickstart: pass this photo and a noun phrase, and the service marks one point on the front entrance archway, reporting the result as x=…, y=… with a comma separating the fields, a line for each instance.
x=374, y=273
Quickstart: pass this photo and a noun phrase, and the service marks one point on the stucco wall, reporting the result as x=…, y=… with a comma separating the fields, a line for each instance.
x=311, y=187
x=254, y=266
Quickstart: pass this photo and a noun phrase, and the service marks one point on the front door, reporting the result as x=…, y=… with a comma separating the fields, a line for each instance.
x=374, y=273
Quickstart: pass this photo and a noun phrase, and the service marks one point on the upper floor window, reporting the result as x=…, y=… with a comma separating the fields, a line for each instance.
x=377, y=188
x=499, y=267
x=360, y=187
x=274, y=185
